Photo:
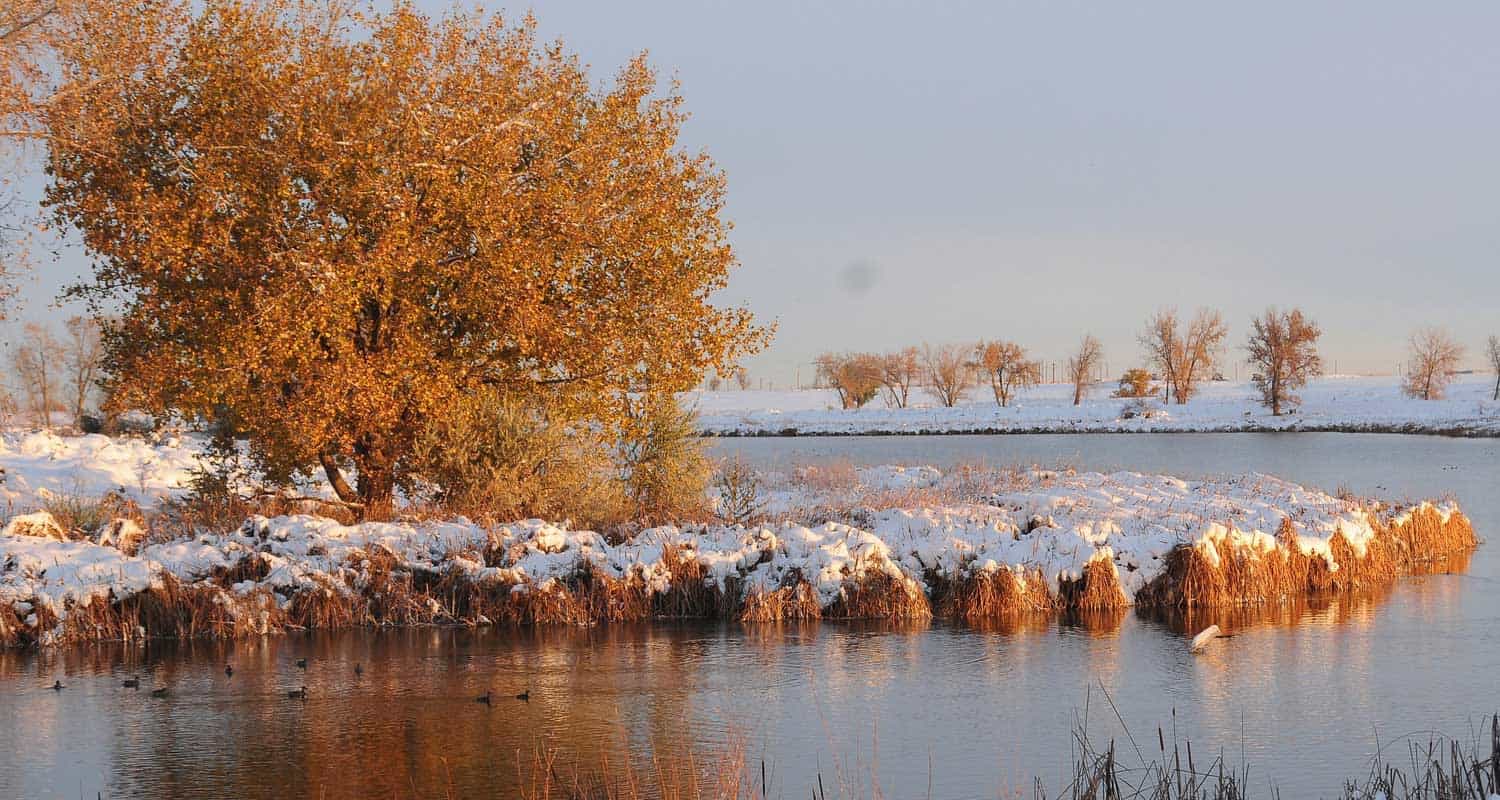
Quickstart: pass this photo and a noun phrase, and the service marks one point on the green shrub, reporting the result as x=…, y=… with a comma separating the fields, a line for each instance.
x=498, y=458
x=665, y=471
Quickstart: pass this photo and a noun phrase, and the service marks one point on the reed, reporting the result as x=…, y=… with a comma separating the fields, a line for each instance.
x=1436, y=770
x=995, y=593
x=795, y=599
x=881, y=596
x=1216, y=572
x=1096, y=589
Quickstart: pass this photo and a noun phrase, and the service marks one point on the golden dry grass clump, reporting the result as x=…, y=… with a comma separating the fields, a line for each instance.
x=881, y=596
x=1097, y=589
x=996, y=593
x=1217, y=572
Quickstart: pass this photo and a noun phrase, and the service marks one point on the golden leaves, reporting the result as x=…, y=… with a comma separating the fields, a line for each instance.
x=339, y=236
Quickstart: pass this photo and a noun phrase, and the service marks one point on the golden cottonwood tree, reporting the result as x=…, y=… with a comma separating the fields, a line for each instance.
x=332, y=230
x=1008, y=368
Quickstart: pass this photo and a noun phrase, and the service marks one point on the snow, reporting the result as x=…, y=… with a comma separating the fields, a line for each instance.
x=1329, y=403
x=1055, y=522
x=33, y=464
x=38, y=465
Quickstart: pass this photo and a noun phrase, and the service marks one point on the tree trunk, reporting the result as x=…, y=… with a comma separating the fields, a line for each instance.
x=376, y=481
x=335, y=475
x=1497, y=386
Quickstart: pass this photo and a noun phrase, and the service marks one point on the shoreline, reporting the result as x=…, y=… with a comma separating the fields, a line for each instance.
x=874, y=543
x=1383, y=430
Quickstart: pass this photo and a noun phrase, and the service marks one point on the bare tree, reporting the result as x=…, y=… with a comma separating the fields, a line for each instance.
x=37, y=366
x=1283, y=348
x=855, y=376
x=83, y=351
x=742, y=378
x=898, y=371
x=715, y=383
x=948, y=373
x=1493, y=350
x=1008, y=368
x=1434, y=357
x=1184, y=357
x=1082, y=364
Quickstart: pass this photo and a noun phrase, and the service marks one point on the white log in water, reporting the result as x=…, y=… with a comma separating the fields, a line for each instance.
x=1203, y=638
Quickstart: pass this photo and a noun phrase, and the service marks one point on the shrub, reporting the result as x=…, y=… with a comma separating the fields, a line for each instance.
x=666, y=473
x=499, y=459
x=740, y=500
x=1135, y=383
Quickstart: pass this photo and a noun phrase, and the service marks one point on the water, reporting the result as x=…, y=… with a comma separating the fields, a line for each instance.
x=1303, y=696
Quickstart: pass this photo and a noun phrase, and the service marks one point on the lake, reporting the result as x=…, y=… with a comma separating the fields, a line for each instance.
x=1304, y=694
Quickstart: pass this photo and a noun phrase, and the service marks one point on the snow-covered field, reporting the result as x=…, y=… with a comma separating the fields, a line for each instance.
x=1330, y=403
x=1053, y=524
x=36, y=464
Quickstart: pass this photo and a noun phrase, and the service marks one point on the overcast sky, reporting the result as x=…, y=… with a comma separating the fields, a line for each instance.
x=906, y=171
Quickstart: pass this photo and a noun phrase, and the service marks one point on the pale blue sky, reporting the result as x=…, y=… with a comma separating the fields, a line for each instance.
x=905, y=171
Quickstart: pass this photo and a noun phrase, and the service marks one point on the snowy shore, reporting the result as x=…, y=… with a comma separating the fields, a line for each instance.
x=876, y=542
x=1349, y=404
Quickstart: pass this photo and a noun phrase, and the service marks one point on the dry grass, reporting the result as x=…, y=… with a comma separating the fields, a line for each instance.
x=793, y=600
x=1097, y=589
x=881, y=596
x=830, y=476
x=1217, y=573
x=996, y=594
x=692, y=594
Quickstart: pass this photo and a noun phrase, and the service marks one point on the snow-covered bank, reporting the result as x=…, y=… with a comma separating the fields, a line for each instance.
x=1039, y=541
x=1356, y=404
x=37, y=465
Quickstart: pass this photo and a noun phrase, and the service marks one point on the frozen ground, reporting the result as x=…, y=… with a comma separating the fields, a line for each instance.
x=1366, y=404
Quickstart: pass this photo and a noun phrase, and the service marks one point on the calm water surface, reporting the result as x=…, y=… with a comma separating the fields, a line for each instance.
x=1305, y=695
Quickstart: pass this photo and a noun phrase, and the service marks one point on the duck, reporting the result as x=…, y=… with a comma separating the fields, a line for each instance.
x=297, y=694
x=229, y=670
x=524, y=696
x=484, y=698
x=302, y=663
x=132, y=683
x=57, y=686
x=162, y=692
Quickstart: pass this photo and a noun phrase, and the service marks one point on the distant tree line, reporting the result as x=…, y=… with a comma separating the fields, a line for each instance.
x=1179, y=354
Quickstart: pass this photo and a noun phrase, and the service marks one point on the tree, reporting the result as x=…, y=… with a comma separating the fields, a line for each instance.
x=335, y=231
x=855, y=376
x=1135, y=382
x=742, y=378
x=37, y=361
x=1493, y=350
x=948, y=372
x=1082, y=364
x=1434, y=357
x=1283, y=349
x=82, y=352
x=1183, y=357
x=29, y=30
x=898, y=371
x=1008, y=368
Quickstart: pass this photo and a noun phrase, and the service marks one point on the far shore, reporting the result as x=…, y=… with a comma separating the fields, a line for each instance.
x=1334, y=404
